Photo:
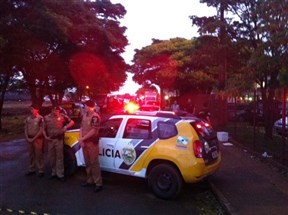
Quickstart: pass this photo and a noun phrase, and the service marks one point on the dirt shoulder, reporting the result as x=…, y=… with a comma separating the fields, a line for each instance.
x=13, y=117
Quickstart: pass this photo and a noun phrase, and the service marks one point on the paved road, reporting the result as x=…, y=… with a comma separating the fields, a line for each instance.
x=121, y=194
x=250, y=185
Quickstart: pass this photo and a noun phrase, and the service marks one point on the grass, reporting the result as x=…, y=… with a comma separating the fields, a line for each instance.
x=255, y=140
x=13, y=117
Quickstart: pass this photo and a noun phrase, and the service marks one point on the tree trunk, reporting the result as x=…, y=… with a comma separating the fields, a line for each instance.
x=270, y=110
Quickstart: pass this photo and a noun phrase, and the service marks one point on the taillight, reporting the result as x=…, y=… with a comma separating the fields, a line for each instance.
x=198, y=149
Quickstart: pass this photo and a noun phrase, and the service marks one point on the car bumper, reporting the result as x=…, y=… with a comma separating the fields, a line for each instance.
x=201, y=170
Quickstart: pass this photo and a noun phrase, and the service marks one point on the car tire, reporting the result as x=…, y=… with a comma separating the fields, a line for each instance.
x=165, y=181
x=70, y=163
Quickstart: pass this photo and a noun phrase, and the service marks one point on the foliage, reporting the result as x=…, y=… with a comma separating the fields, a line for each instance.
x=169, y=65
x=40, y=39
x=41, y=36
x=253, y=138
x=259, y=30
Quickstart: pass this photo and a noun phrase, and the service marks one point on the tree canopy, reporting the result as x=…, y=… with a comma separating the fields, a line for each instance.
x=259, y=29
x=53, y=42
x=169, y=65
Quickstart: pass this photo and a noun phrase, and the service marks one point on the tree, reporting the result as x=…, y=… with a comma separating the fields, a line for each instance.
x=169, y=65
x=56, y=30
x=259, y=28
x=40, y=38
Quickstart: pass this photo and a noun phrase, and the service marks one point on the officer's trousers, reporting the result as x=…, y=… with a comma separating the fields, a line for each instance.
x=36, y=155
x=91, y=156
x=56, y=157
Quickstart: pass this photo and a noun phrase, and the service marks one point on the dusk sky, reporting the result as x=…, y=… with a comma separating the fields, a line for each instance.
x=158, y=19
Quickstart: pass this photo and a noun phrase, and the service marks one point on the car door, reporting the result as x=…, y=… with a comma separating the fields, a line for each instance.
x=128, y=149
x=109, y=135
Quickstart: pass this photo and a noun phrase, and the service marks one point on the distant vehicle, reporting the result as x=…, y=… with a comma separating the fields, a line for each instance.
x=238, y=112
x=163, y=148
x=73, y=110
x=150, y=106
x=101, y=101
x=278, y=126
x=150, y=97
x=256, y=111
x=248, y=112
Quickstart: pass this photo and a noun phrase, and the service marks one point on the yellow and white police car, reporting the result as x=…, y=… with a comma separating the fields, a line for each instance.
x=166, y=149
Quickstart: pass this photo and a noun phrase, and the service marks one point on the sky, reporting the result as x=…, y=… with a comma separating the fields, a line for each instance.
x=157, y=19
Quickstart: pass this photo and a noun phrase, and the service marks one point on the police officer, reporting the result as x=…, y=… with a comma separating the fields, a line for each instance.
x=56, y=124
x=34, y=125
x=89, y=142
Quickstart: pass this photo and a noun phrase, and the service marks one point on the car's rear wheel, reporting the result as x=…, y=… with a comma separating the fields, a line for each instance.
x=165, y=181
x=70, y=163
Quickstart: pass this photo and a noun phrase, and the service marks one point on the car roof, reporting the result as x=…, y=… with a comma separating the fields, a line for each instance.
x=164, y=114
x=167, y=114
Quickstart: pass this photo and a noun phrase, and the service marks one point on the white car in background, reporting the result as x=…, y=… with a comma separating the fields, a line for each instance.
x=278, y=126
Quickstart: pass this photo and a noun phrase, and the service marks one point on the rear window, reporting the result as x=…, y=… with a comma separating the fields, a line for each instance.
x=203, y=129
x=166, y=130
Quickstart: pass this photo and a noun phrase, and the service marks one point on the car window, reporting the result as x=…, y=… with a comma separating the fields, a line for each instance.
x=137, y=129
x=110, y=128
x=166, y=130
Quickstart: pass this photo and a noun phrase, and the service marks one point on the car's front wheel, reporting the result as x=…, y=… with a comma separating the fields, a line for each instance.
x=165, y=181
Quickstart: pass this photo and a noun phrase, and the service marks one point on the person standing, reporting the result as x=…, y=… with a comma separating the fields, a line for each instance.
x=89, y=141
x=56, y=124
x=190, y=107
x=175, y=106
x=34, y=125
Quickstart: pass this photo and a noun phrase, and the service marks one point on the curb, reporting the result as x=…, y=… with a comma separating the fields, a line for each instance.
x=226, y=205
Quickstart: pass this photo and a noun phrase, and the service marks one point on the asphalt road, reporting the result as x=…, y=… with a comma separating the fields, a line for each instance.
x=20, y=194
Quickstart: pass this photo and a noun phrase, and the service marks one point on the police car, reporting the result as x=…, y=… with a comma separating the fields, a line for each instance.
x=166, y=149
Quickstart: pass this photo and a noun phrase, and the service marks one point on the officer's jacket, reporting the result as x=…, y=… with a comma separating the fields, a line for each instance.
x=33, y=124
x=89, y=121
x=54, y=124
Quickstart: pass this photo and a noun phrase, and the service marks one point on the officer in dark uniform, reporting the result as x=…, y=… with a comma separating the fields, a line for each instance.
x=34, y=126
x=56, y=124
x=89, y=142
